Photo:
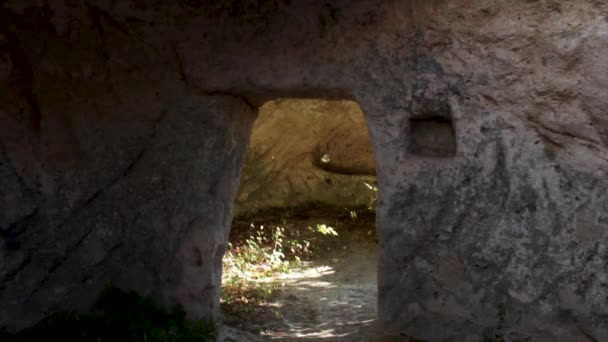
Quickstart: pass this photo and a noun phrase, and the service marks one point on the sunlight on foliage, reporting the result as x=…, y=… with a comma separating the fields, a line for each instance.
x=374, y=196
x=266, y=252
x=326, y=230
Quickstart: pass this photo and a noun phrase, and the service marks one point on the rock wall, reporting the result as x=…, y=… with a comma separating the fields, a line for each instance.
x=307, y=151
x=508, y=236
x=142, y=206
x=123, y=126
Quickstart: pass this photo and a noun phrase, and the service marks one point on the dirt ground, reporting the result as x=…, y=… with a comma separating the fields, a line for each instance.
x=331, y=296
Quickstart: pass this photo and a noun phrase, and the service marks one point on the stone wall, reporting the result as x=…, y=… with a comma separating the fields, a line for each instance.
x=307, y=151
x=123, y=126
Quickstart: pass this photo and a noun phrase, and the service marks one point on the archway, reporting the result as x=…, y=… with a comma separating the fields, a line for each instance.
x=302, y=259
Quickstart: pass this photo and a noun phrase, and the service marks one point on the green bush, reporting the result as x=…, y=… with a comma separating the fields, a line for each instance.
x=119, y=316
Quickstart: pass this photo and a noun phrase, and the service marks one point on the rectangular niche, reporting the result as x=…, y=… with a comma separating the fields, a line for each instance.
x=432, y=136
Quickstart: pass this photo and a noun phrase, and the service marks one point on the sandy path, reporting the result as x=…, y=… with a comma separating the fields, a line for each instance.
x=331, y=299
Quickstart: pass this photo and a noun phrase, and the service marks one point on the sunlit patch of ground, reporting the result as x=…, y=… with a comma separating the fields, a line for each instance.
x=329, y=296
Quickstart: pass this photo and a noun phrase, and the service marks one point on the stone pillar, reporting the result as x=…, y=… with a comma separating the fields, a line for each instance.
x=147, y=206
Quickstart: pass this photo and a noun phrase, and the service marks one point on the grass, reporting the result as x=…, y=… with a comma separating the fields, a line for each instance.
x=119, y=316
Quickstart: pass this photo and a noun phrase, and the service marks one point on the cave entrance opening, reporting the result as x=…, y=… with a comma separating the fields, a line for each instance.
x=302, y=258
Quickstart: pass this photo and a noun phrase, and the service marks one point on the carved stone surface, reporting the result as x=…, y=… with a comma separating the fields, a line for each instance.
x=123, y=126
x=306, y=151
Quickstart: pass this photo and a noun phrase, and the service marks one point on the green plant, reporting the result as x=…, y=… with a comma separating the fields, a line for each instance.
x=245, y=265
x=249, y=264
x=326, y=230
x=373, y=197
x=120, y=316
x=267, y=251
x=261, y=254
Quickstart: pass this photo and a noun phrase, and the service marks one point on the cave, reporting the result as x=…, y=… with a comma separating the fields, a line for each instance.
x=124, y=128
x=303, y=232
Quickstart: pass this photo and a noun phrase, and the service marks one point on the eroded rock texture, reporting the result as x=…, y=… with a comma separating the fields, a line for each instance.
x=306, y=151
x=123, y=127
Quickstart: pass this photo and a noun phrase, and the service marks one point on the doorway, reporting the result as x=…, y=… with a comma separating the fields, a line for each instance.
x=302, y=258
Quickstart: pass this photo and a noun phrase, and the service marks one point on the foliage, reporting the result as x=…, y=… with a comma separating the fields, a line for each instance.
x=267, y=245
x=373, y=197
x=264, y=253
x=120, y=316
x=326, y=230
x=261, y=254
x=267, y=251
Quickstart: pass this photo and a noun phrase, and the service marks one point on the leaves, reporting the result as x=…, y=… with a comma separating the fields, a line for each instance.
x=326, y=230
